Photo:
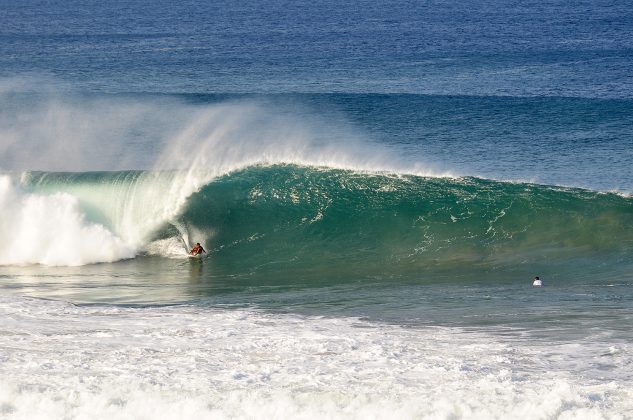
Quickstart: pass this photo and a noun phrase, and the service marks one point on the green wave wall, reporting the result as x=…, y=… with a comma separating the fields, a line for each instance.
x=288, y=220
x=331, y=221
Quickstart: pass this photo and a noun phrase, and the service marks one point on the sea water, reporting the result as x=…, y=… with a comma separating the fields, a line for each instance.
x=375, y=184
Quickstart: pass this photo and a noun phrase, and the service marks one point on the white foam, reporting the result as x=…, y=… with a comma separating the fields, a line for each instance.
x=63, y=361
x=51, y=230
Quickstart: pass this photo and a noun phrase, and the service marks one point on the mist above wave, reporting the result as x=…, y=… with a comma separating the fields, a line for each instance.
x=58, y=130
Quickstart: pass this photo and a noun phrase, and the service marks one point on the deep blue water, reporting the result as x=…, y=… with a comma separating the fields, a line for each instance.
x=476, y=47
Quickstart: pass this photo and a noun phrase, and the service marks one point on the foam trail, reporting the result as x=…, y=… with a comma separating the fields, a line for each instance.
x=54, y=131
x=51, y=230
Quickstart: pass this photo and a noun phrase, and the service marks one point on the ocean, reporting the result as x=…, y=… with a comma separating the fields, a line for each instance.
x=376, y=184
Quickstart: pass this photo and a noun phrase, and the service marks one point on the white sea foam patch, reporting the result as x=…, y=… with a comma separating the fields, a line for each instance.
x=62, y=361
x=51, y=230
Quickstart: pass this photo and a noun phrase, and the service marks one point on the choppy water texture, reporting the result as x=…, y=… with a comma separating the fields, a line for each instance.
x=376, y=185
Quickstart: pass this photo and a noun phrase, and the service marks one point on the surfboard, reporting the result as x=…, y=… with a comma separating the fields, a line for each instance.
x=197, y=256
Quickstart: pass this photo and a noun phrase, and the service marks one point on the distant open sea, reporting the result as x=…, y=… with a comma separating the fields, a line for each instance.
x=375, y=184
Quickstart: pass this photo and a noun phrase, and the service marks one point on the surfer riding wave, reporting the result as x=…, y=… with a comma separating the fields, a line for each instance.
x=197, y=250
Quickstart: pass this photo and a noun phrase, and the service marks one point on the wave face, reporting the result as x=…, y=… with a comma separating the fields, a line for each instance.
x=344, y=221
x=296, y=220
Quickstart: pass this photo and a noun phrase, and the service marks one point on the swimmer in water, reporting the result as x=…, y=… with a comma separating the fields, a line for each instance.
x=537, y=282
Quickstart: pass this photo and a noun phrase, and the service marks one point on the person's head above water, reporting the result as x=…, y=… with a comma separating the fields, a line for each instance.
x=536, y=278
x=197, y=243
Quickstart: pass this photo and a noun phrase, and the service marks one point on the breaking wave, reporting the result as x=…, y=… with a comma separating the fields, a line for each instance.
x=302, y=219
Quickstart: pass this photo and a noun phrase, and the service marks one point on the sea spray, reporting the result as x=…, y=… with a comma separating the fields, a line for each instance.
x=62, y=132
x=223, y=138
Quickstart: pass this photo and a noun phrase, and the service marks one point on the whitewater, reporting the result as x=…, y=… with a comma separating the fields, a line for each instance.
x=99, y=362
